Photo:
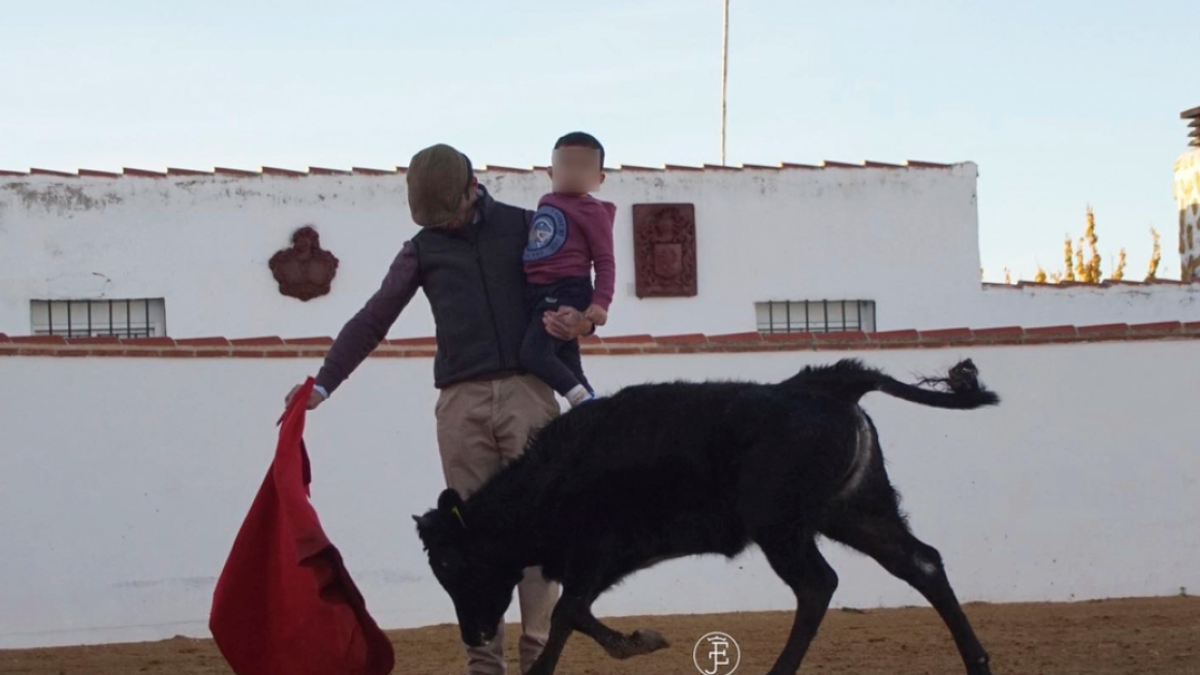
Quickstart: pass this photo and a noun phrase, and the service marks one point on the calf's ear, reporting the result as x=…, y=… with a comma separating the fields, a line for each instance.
x=450, y=503
x=449, y=499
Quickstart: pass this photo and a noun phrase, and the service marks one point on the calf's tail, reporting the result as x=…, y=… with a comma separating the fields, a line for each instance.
x=849, y=380
x=960, y=389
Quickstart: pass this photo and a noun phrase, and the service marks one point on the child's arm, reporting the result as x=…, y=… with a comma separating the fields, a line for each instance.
x=599, y=235
x=596, y=314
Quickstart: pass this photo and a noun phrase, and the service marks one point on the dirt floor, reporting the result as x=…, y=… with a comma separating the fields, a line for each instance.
x=1149, y=636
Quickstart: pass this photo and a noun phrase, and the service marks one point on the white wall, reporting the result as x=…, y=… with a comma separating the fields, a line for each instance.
x=123, y=482
x=906, y=238
x=1051, y=305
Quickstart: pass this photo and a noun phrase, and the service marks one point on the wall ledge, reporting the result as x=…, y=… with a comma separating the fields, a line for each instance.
x=315, y=347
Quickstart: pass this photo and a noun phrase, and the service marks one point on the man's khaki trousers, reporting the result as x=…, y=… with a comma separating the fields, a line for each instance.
x=481, y=427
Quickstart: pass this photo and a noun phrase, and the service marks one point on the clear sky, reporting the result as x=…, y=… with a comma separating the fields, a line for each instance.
x=1061, y=102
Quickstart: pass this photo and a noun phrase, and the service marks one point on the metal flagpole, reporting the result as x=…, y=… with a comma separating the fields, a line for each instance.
x=724, y=75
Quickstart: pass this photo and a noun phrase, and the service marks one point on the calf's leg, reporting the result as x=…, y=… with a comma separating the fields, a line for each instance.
x=797, y=561
x=884, y=536
x=560, y=630
x=617, y=644
x=574, y=613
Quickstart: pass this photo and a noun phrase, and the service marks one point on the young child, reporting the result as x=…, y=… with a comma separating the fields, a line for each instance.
x=571, y=232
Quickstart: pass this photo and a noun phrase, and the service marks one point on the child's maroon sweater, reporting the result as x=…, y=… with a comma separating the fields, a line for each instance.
x=568, y=234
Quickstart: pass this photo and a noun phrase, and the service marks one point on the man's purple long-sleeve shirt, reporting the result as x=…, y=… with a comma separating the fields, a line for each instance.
x=363, y=333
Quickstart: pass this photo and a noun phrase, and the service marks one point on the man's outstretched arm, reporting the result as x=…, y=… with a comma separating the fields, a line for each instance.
x=366, y=329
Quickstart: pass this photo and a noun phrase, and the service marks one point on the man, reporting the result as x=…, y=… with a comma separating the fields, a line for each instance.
x=468, y=260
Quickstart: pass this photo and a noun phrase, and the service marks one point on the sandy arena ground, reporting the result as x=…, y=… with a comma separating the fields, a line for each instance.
x=1142, y=636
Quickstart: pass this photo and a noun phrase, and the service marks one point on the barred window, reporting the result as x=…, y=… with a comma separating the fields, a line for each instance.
x=145, y=317
x=815, y=316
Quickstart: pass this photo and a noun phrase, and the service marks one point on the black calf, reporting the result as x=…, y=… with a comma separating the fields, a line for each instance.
x=662, y=471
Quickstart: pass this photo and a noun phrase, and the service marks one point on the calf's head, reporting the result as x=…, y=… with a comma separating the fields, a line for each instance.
x=468, y=567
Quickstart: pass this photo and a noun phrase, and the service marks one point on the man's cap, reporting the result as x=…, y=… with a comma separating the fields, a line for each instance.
x=438, y=177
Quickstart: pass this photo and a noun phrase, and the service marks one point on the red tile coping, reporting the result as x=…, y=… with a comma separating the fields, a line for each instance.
x=319, y=171
x=172, y=171
x=142, y=173
x=239, y=173
x=48, y=172
x=273, y=171
x=690, y=343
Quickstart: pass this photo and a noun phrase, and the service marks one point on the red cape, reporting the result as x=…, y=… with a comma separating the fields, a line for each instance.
x=285, y=604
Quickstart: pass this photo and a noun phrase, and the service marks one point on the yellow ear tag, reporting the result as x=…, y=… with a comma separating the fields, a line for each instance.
x=455, y=511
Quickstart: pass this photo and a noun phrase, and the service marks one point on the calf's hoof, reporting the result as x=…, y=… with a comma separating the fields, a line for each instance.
x=649, y=641
x=641, y=642
x=540, y=667
x=981, y=667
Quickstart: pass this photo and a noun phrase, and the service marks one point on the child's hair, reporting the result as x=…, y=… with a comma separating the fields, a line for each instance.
x=579, y=139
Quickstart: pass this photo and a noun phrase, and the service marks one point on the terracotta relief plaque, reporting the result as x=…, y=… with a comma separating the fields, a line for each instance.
x=305, y=270
x=664, y=253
